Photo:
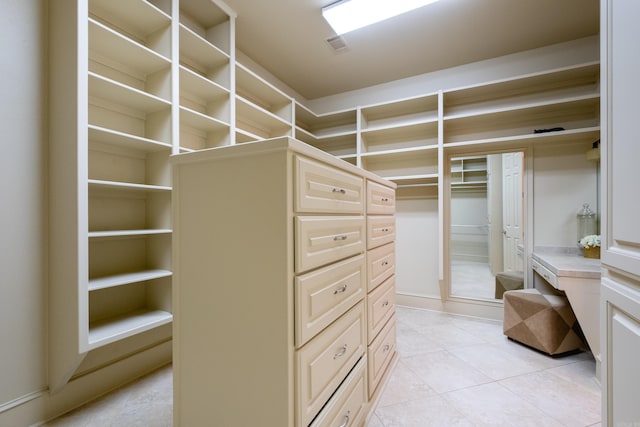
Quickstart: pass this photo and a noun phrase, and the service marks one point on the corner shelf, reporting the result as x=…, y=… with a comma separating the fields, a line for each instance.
x=254, y=119
x=335, y=133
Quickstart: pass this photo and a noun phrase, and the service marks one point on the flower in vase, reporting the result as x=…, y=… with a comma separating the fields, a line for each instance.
x=590, y=241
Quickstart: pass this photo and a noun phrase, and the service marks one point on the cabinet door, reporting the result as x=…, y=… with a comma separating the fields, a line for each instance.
x=621, y=235
x=620, y=122
x=621, y=318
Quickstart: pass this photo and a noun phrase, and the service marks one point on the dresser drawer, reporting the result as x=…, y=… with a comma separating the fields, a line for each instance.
x=380, y=230
x=381, y=305
x=348, y=407
x=322, y=240
x=324, y=362
x=381, y=263
x=325, y=189
x=545, y=273
x=381, y=353
x=325, y=294
x=380, y=199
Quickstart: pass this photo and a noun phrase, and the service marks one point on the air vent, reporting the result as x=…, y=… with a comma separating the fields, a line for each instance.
x=337, y=43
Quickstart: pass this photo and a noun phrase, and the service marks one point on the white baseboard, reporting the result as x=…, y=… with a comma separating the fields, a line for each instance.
x=466, y=307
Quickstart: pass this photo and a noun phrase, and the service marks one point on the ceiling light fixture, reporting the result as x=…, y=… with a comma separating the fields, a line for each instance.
x=349, y=15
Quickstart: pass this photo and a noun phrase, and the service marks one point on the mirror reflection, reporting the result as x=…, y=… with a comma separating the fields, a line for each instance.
x=487, y=225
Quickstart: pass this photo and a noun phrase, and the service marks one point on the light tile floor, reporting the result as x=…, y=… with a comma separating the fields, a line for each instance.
x=472, y=280
x=452, y=371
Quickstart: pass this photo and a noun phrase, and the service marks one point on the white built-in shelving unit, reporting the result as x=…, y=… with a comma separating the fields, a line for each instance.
x=406, y=140
x=128, y=181
x=205, y=75
x=399, y=140
x=469, y=172
x=507, y=112
x=133, y=81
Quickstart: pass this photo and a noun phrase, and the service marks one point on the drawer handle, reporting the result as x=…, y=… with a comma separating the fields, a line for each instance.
x=386, y=348
x=341, y=289
x=385, y=263
x=339, y=190
x=338, y=238
x=340, y=352
x=346, y=420
x=385, y=199
x=386, y=303
x=385, y=229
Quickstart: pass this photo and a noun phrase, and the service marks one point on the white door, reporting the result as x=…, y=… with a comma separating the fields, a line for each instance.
x=512, y=209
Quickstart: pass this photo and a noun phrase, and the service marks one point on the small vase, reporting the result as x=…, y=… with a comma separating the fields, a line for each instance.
x=591, y=252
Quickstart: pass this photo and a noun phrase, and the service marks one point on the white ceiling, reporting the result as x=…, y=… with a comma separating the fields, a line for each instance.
x=288, y=38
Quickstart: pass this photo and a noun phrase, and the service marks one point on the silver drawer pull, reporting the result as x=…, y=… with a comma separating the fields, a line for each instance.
x=341, y=289
x=386, y=303
x=386, y=348
x=340, y=352
x=339, y=190
x=346, y=419
x=337, y=238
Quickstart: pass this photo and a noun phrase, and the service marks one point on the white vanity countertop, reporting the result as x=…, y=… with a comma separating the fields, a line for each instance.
x=567, y=262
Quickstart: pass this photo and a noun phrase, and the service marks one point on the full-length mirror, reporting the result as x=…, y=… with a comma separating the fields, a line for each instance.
x=487, y=225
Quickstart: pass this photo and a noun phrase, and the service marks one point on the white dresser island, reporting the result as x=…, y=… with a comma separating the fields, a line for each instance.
x=284, y=297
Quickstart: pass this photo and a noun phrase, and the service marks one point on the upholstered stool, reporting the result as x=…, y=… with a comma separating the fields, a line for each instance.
x=508, y=281
x=544, y=322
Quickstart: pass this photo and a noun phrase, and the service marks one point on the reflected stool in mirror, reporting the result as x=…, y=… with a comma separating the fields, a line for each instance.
x=544, y=322
x=508, y=281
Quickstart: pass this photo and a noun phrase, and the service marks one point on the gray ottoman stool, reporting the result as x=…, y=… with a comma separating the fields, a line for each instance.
x=544, y=322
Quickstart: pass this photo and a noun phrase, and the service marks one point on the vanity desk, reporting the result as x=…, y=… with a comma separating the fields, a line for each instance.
x=567, y=270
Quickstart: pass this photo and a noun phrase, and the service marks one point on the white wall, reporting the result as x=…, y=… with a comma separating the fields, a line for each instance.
x=563, y=180
x=23, y=207
x=417, y=247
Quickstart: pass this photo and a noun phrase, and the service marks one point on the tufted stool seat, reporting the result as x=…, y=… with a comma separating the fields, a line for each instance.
x=544, y=322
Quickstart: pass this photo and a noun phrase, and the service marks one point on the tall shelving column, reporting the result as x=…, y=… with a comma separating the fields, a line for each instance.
x=111, y=139
x=399, y=141
x=262, y=110
x=207, y=75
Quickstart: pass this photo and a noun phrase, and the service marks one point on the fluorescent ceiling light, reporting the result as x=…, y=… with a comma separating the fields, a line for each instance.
x=349, y=15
